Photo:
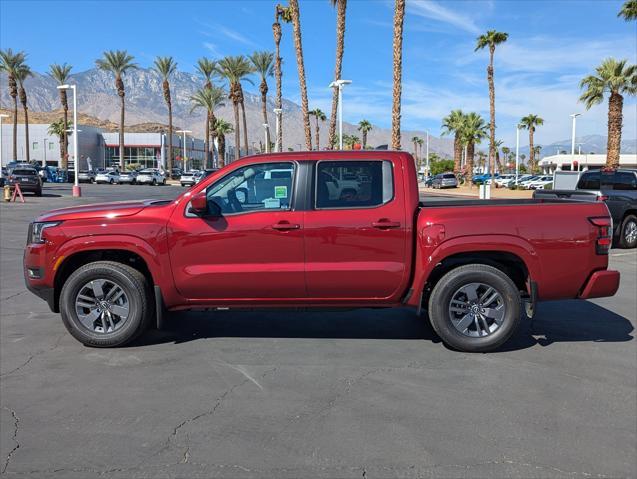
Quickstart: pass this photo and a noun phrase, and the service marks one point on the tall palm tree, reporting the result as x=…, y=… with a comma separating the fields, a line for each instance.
x=10, y=63
x=414, y=140
x=617, y=78
x=399, y=17
x=234, y=69
x=474, y=130
x=420, y=143
x=364, y=127
x=58, y=128
x=61, y=74
x=221, y=128
x=262, y=63
x=452, y=124
x=21, y=75
x=209, y=99
x=490, y=40
x=537, y=149
x=629, y=10
x=166, y=67
x=498, y=163
x=529, y=122
x=341, y=8
x=318, y=115
x=278, y=102
x=295, y=15
x=207, y=68
x=118, y=62
x=506, y=151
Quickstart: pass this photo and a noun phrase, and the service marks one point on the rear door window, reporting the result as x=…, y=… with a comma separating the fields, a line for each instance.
x=624, y=180
x=589, y=181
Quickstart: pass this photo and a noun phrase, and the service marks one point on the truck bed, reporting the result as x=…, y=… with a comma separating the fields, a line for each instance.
x=496, y=202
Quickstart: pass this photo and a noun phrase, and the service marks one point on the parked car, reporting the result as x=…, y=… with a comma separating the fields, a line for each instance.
x=189, y=178
x=512, y=182
x=28, y=178
x=151, y=176
x=469, y=265
x=176, y=173
x=503, y=180
x=110, y=177
x=444, y=180
x=207, y=172
x=129, y=177
x=540, y=182
x=86, y=176
x=484, y=178
x=615, y=187
x=525, y=183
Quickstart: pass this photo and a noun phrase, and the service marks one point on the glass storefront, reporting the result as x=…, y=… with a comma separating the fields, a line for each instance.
x=134, y=156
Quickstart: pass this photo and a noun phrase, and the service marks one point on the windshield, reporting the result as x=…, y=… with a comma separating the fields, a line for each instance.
x=24, y=172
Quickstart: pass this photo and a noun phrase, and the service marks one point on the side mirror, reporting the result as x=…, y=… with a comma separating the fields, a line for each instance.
x=199, y=204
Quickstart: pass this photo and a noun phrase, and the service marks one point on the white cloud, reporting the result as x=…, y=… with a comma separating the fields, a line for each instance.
x=434, y=11
x=217, y=30
x=212, y=48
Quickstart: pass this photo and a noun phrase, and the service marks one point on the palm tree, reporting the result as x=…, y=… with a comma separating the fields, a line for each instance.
x=536, y=153
x=166, y=66
x=453, y=124
x=491, y=39
x=295, y=17
x=278, y=103
x=617, y=78
x=10, y=63
x=414, y=140
x=529, y=122
x=505, y=153
x=420, y=143
x=209, y=99
x=118, y=62
x=629, y=10
x=318, y=114
x=364, y=127
x=58, y=128
x=341, y=7
x=207, y=69
x=474, y=130
x=234, y=69
x=21, y=75
x=399, y=17
x=61, y=74
x=498, y=163
x=263, y=66
x=221, y=128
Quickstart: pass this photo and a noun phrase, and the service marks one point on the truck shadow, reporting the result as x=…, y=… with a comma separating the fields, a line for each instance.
x=559, y=321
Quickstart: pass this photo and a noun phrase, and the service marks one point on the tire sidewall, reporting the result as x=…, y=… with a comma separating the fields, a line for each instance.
x=627, y=220
x=447, y=287
x=67, y=306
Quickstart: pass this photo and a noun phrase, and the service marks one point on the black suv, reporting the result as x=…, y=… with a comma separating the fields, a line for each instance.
x=619, y=191
x=28, y=178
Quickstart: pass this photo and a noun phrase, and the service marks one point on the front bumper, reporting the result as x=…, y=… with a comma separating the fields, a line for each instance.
x=601, y=284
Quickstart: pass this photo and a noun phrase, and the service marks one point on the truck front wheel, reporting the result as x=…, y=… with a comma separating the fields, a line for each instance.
x=475, y=308
x=106, y=304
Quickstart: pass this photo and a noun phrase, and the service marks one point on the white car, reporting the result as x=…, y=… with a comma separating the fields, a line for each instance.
x=503, y=180
x=151, y=176
x=540, y=183
x=111, y=177
x=190, y=178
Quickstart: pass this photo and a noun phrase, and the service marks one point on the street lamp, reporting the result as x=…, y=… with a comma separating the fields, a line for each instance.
x=574, y=117
x=184, y=145
x=427, y=153
x=77, y=191
x=265, y=132
x=517, y=152
x=278, y=111
x=339, y=84
x=2, y=115
x=44, y=162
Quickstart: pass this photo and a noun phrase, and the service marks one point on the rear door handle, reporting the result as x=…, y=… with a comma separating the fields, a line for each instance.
x=284, y=226
x=386, y=224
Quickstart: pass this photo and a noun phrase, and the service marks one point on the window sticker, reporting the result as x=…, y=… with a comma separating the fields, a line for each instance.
x=280, y=192
x=272, y=203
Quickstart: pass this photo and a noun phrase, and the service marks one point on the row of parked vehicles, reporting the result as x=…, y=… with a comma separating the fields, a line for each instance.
x=147, y=176
x=526, y=182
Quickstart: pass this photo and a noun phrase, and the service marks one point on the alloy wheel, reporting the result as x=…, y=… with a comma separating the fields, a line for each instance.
x=102, y=306
x=630, y=232
x=477, y=310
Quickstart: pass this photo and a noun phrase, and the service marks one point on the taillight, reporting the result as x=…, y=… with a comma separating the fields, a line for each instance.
x=605, y=233
x=602, y=197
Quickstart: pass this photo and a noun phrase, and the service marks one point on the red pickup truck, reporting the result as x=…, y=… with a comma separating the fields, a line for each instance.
x=335, y=229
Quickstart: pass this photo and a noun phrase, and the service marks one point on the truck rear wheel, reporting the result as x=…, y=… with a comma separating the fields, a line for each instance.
x=475, y=308
x=106, y=304
x=628, y=233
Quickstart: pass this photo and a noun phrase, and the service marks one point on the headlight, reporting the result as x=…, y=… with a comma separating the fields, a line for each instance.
x=36, y=230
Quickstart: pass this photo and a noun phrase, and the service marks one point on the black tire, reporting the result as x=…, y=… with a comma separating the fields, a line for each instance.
x=626, y=239
x=112, y=181
x=448, y=286
x=154, y=182
x=38, y=193
x=134, y=284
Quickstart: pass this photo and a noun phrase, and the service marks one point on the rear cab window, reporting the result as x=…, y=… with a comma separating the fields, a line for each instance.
x=353, y=184
x=589, y=181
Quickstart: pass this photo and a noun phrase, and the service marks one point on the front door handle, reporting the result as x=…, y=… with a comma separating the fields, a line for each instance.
x=383, y=224
x=285, y=225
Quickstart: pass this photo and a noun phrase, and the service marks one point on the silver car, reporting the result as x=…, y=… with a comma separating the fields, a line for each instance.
x=129, y=177
x=445, y=180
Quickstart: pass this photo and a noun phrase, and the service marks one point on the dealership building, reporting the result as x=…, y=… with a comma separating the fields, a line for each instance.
x=101, y=148
x=567, y=162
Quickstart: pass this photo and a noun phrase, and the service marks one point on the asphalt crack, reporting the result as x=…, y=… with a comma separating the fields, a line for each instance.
x=33, y=356
x=16, y=427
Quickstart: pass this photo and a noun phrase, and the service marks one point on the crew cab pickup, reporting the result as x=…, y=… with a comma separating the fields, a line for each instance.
x=247, y=238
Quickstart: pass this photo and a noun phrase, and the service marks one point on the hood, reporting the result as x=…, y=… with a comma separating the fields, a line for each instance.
x=100, y=210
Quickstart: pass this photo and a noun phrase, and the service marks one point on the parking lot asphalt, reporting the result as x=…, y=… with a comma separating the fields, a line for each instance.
x=368, y=393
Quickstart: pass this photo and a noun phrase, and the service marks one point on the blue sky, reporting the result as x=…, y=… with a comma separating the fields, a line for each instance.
x=552, y=45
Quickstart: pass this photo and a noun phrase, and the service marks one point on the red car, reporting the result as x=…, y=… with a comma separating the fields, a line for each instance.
x=322, y=230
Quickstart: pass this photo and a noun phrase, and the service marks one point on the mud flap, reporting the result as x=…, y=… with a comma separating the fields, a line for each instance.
x=159, y=308
x=530, y=302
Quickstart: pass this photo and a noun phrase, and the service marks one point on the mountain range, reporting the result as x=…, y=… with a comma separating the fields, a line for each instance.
x=145, y=105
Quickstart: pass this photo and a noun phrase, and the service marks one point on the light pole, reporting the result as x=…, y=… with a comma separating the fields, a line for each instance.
x=574, y=117
x=44, y=161
x=339, y=84
x=517, y=152
x=265, y=132
x=277, y=113
x=2, y=115
x=184, y=144
x=77, y=191
x=427, y=153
